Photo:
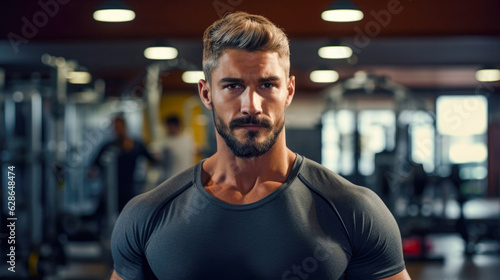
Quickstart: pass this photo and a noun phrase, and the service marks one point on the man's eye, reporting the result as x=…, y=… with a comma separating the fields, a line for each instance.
x=268, y=85
x=233, y=86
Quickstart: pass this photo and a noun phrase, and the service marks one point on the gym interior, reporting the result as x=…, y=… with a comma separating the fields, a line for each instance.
x=404, y=99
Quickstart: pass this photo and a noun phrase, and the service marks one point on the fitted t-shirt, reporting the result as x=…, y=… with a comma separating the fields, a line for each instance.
x=316, y=225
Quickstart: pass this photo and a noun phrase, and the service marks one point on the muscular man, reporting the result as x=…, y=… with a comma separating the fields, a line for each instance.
x=255, y=209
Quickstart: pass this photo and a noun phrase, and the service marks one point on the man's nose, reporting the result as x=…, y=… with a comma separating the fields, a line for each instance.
x=251, y=102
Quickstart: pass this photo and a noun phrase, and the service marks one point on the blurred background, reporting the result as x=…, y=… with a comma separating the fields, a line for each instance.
x=402, y=98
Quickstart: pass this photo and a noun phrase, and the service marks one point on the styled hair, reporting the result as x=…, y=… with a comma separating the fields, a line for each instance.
x=240, y=30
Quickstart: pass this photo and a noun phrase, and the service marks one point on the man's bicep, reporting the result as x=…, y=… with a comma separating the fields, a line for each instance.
x=127, y=249
x=376, y=239
x=115, y=276
x=403, y=275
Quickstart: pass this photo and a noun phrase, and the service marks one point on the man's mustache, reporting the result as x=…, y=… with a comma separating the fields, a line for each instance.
x=250, y=120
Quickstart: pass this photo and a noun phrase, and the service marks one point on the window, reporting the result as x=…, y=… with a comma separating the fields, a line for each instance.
x=462, y=123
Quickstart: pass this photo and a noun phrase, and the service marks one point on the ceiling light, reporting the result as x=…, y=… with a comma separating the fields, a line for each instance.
x=192, y=77
x=342, y=11
x=114, y=11
x=79, y=77
x=324, y=76
x=160, y=52
x=489, y=74
x=335, y=52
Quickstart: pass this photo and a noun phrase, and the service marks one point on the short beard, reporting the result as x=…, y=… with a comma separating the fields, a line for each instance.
x=250, y=149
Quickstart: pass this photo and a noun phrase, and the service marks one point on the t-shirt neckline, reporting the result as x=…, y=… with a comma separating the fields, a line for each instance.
x=297, y=164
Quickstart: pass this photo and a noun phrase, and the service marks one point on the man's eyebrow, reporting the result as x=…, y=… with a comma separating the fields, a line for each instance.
x=241, y=81
x=269, y=79
x=231, y=80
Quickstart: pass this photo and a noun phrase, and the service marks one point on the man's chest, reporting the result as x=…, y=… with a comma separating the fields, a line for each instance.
x=278, y=241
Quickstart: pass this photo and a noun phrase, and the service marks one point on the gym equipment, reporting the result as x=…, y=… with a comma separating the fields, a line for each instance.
x=395, y=172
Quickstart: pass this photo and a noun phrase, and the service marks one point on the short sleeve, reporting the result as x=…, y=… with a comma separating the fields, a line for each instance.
x=376, y=240
x=126, y=249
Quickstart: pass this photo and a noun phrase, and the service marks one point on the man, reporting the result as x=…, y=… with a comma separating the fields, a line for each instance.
x=178, y=148
x=127, y=151
x=255, y=209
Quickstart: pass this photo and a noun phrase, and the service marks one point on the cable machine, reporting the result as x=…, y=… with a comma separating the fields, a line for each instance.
x=351, y=143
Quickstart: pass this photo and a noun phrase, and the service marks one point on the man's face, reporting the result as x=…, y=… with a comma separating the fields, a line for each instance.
x=248, y=95
x=120, y=128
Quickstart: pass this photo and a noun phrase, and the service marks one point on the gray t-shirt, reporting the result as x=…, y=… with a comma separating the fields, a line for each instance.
x=317, y=225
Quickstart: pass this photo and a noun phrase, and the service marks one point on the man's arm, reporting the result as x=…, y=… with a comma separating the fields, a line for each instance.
x=376, y=240
x=126, y=247
x=115, y=276
x=145, y=152
x=403, y=275
x=95, y=165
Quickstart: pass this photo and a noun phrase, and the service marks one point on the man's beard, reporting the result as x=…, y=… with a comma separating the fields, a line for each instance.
x=250, y=148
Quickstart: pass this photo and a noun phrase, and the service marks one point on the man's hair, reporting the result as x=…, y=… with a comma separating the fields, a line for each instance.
x=243, y=31
x=119, y=118
x=172, y=120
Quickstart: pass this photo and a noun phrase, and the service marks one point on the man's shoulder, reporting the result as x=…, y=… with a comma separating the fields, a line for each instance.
x=321, y=177
x=148, y=202
x=353, y=203
x=333, y=185
x=138, y=219
x=108, y=144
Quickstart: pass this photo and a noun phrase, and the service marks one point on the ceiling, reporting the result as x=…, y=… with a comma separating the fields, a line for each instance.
x=422, y=44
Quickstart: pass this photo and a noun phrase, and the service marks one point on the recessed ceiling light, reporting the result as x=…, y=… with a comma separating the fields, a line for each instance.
x=114, y=11
x=192, y=77
x=160, y=52
x=342, y=11
x=335, y=52
x=488, y=75
x=324, y=76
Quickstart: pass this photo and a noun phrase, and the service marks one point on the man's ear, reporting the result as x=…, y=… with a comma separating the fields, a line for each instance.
x=290, y=91
x=205, y=95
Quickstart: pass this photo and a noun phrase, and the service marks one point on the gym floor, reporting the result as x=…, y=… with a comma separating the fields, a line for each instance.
x=454, y=265
x=483, y=267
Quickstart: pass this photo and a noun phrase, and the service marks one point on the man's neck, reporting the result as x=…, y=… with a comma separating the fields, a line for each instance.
x=225, y=172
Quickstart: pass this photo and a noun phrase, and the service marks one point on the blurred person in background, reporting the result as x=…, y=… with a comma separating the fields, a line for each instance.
x=178, y=148
x=127, y=152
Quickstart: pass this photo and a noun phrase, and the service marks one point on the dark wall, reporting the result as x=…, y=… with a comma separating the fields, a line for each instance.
x=305, y=141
